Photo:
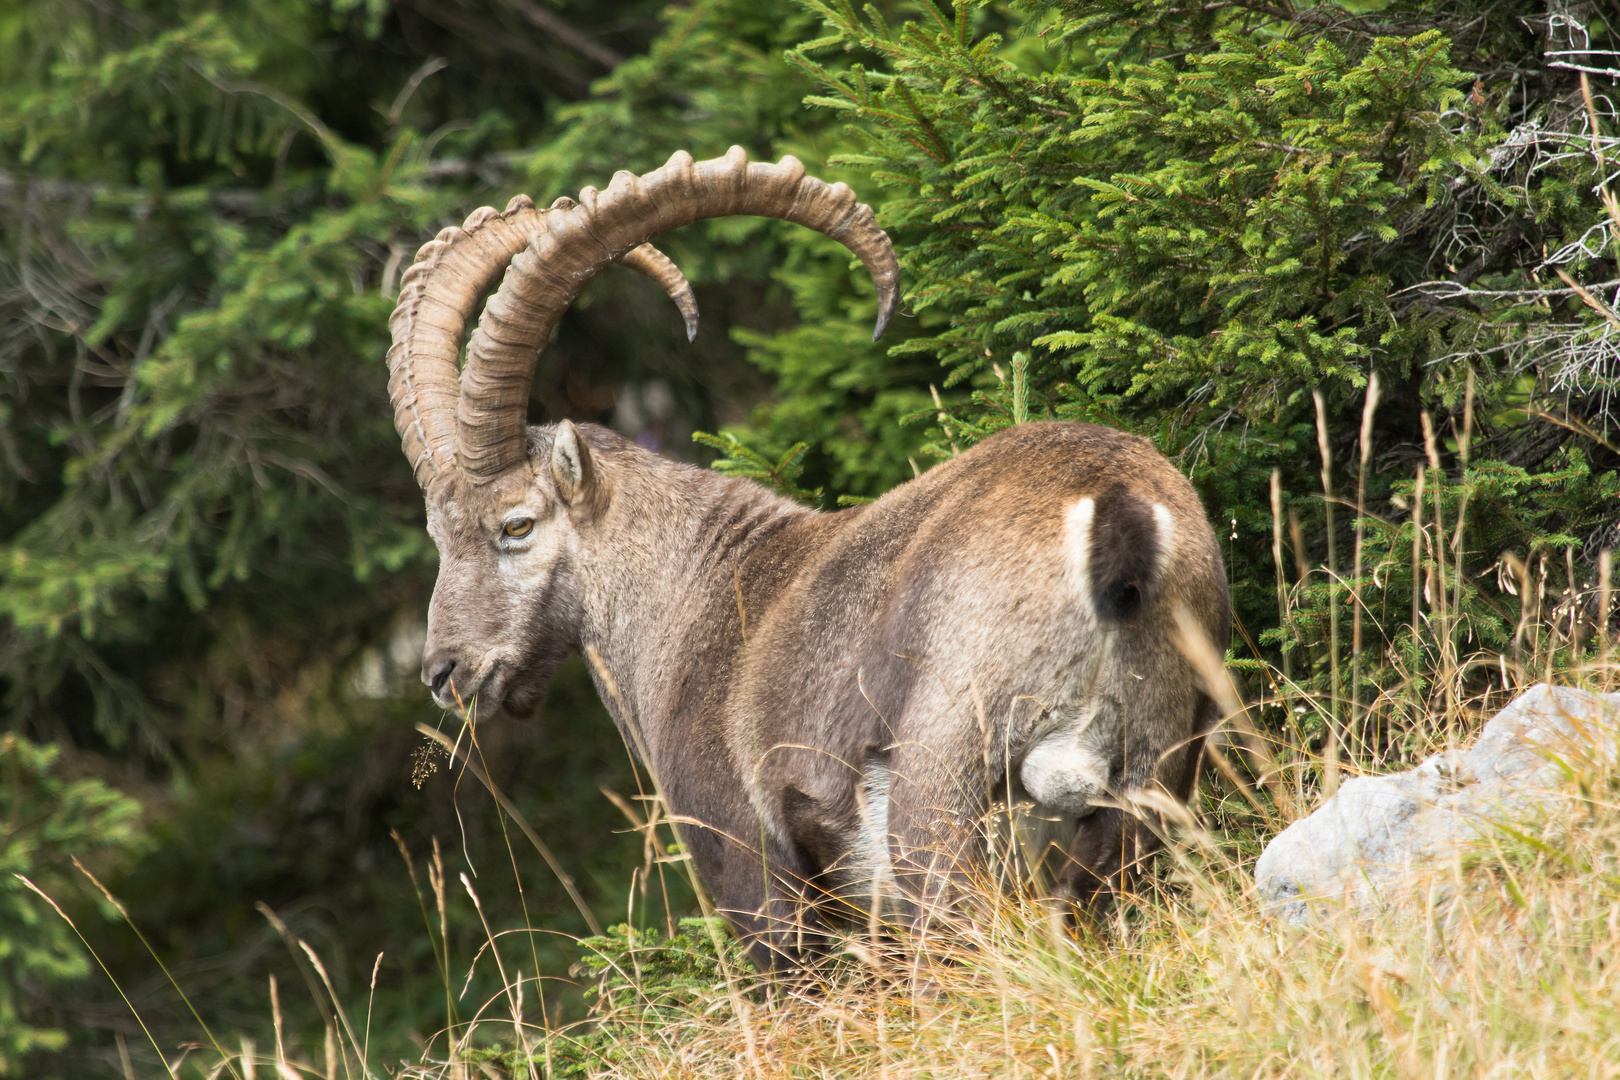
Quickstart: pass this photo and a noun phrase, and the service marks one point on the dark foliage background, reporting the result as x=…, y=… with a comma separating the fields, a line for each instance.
x=1182, y=220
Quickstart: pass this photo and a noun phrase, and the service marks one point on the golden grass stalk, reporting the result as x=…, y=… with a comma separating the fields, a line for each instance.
x=1335, y=720
x=458, y=752
x=37, y=891
x=1369, y=407
x=123, y=913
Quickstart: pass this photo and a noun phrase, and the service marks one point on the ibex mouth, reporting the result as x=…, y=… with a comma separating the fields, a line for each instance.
x=474, y=692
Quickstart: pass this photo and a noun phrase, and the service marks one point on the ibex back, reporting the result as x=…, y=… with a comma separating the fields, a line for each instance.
x=829, y=700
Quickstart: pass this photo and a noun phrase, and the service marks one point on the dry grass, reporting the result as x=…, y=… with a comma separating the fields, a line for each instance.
x=1500, y=963
x=1503, y=964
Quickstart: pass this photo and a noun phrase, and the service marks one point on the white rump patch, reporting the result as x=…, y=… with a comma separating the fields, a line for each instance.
x=1166, y=535
x=1078, y=528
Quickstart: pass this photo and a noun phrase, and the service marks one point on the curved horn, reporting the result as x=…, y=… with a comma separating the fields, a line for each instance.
x=582, y=238
x=435, y=297
x=648, y=260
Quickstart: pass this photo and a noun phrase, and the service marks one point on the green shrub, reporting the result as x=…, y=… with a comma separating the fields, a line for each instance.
x=635, y=980
x=1215, y=227
x=46, y=821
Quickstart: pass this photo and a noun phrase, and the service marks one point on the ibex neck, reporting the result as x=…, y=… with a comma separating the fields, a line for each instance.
x=661, y=577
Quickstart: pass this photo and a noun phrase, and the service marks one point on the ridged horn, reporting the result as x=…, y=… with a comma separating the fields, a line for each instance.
x=584, y=237
x=648, y=260
x=436, y=295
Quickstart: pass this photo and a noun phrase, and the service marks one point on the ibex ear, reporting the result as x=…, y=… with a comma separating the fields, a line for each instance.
x=571, y=465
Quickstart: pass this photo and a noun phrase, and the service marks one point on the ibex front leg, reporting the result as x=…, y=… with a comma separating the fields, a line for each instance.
x=936, y=810
x=762, y=895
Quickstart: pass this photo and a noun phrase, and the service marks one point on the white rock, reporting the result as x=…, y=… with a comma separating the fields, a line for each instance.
x=1361, y=845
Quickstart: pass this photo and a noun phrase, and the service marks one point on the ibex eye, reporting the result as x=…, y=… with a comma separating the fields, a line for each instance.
x=520, y=527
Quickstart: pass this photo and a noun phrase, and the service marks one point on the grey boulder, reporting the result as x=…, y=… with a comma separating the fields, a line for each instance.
x=1362, y=845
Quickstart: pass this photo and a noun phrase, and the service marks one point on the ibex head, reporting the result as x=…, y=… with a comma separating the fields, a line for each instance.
x=510, y=507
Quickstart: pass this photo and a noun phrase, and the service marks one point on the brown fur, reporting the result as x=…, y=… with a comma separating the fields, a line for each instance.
x=776, y=667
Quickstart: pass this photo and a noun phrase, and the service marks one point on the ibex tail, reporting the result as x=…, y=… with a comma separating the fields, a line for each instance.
x=1125, y=547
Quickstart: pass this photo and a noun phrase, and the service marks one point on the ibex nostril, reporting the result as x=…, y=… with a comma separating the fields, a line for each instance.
x=441, y=676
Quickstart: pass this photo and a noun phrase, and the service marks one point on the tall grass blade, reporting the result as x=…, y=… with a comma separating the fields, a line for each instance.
x=1368, y=408
x=516, y=815
x=37, y=891
x=337, y=1005
x=1282, y=579
x=371, y=999
x=441, y=946
x=1335, y=721
x=1605, y=599
x=147, y=945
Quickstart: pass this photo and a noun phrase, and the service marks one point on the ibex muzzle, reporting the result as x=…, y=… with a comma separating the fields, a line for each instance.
x=832, y=698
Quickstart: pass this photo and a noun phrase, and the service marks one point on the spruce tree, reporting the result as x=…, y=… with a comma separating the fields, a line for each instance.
x=1189, y=223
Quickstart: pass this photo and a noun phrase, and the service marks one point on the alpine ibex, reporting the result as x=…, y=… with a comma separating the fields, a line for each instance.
x=829, y=700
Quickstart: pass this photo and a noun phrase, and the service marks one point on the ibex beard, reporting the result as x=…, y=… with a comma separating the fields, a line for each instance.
x=829, y=701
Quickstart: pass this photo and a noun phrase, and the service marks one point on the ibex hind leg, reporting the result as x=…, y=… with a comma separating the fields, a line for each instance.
x=1115, y=845
x=935, y=818
x=1101, y=859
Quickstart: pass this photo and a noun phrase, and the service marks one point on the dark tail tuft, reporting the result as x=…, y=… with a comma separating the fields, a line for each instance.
x=1124, y=547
